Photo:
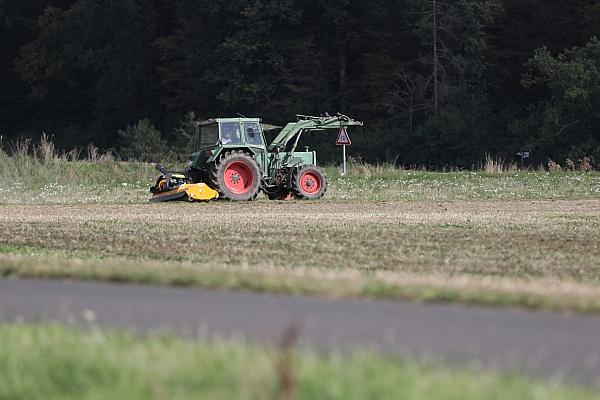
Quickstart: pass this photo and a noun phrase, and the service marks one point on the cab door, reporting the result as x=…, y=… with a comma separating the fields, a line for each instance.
x=255, y=140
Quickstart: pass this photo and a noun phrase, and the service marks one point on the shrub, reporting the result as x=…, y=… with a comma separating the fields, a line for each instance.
x=186, y=134
x=142, y=142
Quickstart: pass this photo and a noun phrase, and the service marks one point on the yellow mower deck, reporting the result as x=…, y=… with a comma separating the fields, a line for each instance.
x=193, y=192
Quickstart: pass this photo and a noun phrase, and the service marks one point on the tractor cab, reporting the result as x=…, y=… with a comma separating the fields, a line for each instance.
x=230, y=132
x=218, y=136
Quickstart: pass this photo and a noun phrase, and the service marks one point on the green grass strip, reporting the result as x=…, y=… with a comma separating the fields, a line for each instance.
x=52, y=362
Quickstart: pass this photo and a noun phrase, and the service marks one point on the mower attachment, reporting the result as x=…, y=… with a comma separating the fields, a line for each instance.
x=188, y=191
x=176, y=186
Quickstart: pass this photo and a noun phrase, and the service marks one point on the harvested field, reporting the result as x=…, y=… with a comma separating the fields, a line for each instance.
x=540, y=253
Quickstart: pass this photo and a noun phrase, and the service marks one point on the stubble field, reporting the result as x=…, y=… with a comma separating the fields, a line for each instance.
x=534, y=253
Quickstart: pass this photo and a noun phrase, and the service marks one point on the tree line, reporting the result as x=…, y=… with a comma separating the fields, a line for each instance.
x=437, y=83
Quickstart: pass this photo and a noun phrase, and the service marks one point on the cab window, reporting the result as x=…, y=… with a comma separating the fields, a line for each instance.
x=253, y=135
x=209, y=136
x=230, y=133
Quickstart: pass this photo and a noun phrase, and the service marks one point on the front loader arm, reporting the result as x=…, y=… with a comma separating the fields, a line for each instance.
x=308, y=123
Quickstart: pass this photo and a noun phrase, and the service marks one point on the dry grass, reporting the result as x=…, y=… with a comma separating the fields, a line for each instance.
x=534, y=253
x=497, y=165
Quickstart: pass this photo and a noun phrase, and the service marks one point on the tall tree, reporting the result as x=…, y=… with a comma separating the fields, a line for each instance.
x=17, y=27
x=92, y=66
x=565, y=123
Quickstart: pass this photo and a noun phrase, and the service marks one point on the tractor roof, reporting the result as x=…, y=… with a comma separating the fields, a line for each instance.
x=211, y=121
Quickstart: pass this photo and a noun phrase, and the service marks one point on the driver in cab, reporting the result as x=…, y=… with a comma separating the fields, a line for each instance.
x=230, y=135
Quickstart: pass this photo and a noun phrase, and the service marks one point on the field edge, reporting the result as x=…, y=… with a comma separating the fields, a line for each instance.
x=538, y=294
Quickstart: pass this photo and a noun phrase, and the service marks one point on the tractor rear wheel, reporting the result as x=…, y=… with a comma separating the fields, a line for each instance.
x=236, y=176
x=309, y=183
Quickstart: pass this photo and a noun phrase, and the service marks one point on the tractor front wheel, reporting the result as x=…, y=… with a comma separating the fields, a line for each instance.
x=309, y=183
x=236, y=176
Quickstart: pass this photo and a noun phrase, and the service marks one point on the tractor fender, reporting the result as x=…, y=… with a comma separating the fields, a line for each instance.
x=290, y=174
x=222, y=150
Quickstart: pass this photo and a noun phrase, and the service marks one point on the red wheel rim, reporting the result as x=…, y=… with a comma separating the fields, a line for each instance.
x=238, y=177
x=310, y=182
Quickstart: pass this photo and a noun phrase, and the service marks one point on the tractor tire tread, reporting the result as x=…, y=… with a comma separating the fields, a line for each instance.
x=299, y=193
x=216, y=172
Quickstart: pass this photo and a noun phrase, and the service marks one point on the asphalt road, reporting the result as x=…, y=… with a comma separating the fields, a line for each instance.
x=540, y=343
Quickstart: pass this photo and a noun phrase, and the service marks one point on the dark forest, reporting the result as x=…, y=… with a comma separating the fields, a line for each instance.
x=437, y=83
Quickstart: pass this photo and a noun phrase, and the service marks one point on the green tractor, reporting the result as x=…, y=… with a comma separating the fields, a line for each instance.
x=235, y=162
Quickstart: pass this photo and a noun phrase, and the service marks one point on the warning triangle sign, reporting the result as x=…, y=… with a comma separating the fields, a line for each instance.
x=343, y=139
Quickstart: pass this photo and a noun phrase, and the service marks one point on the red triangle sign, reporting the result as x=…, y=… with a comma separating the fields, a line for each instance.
x=343, y=139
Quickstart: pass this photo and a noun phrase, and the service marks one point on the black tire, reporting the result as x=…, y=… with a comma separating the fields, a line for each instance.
x=309, y=182
x=232, y=168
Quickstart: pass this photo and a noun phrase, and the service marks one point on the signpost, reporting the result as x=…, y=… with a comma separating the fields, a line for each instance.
x=523, y=154
x=343, y=140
